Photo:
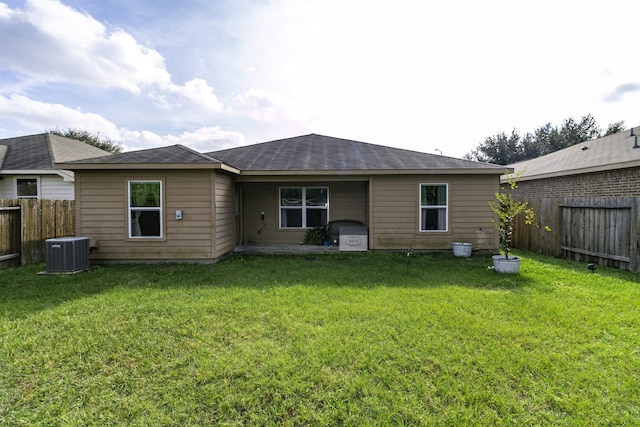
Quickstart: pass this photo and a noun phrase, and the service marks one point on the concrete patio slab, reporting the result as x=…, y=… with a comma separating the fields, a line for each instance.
x=283, y=249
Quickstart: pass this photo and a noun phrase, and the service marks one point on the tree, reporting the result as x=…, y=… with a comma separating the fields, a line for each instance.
x=507, y=209
x=89, y=138
x=503, y=150
x=573, y=132
x=616, y=127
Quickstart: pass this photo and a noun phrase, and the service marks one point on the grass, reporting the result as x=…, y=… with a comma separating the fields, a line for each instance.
x=375, y=339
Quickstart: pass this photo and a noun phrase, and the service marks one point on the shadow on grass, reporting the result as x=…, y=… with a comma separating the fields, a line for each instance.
x=22, y=291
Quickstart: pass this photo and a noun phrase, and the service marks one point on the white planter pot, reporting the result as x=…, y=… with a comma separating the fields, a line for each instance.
x=461, y=249
x=506, y=265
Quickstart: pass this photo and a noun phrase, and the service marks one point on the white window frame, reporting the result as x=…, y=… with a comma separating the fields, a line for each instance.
x=444, y=207
x=38, y=187
x=159, y=209
x=303, y=206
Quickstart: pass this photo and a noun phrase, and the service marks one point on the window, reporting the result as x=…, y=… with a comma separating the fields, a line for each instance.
x=304, y=207
x=27, y=188
x=145, y=209
x=433, y=207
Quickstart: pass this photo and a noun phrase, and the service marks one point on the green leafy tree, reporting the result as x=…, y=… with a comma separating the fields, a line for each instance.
x=530, y=147
x=616, y=127
x=507, y=209
x=500, y=149
x=574, y=132
x=96, y=140
x=503, y=149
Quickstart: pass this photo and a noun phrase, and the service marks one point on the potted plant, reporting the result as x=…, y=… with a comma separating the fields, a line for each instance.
x=507, y=208
x=316, y=236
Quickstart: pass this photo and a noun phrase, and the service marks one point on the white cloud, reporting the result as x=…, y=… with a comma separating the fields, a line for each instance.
x=198, y=91
x=5, y=11
x=53, y=42
x=39, y=116
x=48, y=41
x=36, y=117
x=204, y=139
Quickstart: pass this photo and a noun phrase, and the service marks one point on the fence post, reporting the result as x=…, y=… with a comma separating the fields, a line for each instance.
x=9, y=234
x=634, y=261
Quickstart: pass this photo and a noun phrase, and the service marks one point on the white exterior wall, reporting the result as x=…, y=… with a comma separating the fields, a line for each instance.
x=50, y=187
x=7, y=187
x=55, y=188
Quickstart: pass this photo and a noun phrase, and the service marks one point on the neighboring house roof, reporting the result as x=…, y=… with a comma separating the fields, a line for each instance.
x=610, y=152
x=310, y=154
x=3, y=152
x=172, y=157
x=40, y=153
x=317, y=153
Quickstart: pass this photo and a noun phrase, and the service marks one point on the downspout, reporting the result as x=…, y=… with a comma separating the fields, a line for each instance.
x=371, y=215
x=214, y=232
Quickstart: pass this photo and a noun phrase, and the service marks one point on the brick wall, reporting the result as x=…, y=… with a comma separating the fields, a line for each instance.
x=613, y=183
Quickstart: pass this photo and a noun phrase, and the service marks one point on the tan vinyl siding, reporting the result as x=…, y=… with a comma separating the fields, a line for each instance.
x=101, y=203
x=263, y=197
x=395, y=212
x=225, y=226
x=346, y=201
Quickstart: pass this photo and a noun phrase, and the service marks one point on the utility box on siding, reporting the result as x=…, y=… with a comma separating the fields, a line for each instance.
x=354, y=238
x=67, y=254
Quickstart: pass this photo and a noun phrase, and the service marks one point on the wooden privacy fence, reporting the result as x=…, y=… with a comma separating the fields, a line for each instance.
x=594, y=230
x=25, y=224
x=9, y=236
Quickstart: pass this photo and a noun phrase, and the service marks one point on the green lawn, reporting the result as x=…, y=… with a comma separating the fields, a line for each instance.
x=357, y=339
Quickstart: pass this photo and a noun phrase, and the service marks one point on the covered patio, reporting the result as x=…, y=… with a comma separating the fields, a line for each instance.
x=284, y=249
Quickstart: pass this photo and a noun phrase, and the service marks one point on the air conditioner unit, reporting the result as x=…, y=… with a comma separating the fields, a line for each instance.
x=67, y=254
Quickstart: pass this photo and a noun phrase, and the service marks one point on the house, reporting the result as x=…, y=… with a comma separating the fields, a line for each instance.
x=27, y=166
x=174, y=203
x=602, y=167
x=589, y=195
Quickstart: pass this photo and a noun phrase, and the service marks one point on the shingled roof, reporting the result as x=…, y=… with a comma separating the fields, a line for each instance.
x=42, y=151
x=171, y=157
x=610, y=152
x=172, y=154
x=303, y=154
x=322, y=153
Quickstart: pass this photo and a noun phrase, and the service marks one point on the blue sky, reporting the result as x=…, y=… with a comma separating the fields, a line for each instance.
x=211, y=74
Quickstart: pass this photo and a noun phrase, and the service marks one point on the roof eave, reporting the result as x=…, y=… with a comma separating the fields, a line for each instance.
x=146, y=166
x=66, y=175
x=579, y=171
x=439, y=171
